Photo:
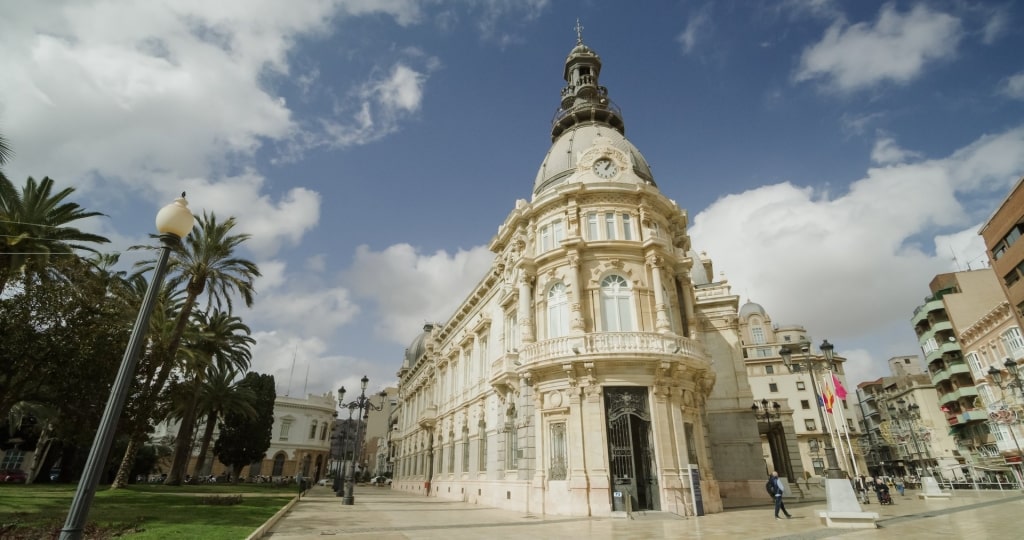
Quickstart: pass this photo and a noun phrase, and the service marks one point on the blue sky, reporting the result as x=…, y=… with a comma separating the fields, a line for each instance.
x=833, y=156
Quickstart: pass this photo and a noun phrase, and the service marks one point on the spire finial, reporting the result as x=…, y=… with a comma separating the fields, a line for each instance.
x=579, y=32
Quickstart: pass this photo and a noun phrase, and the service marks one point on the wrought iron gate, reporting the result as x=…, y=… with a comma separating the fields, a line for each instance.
x=631, y=446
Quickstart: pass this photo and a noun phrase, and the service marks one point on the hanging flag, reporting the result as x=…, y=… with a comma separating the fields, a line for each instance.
x=840, y=391
x=828, y=398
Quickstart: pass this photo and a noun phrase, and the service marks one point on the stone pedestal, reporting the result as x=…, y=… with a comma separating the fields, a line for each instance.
x=930, y=490
x=844, y=511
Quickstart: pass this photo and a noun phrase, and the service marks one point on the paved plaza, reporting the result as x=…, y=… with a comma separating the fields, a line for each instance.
x=382, y=513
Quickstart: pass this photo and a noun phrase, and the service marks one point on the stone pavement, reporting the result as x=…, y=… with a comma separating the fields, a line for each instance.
x=383, y=513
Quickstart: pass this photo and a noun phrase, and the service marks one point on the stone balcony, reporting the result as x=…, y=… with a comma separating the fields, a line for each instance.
x=428, y=417
x=612, y=344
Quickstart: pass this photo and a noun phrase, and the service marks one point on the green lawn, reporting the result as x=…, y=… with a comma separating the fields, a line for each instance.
x=141, y=512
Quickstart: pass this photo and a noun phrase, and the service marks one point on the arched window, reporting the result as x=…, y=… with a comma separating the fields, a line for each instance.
x=558, y=311
x=278, y=464
x=616, y=304
x=312, y=430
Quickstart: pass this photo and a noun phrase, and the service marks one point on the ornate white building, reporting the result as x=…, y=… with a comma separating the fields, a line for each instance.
x=595, y=366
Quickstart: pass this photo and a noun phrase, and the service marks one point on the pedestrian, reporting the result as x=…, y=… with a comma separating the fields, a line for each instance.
x=862, y=489
x=900, y=486
x=776, y=490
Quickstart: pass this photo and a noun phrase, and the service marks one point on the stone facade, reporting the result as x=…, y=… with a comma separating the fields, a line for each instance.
x=596, y=365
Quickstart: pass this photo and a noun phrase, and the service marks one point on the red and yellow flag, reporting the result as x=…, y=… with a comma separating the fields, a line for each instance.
x=828, y=398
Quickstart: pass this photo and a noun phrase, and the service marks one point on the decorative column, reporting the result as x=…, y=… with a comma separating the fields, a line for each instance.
x=576, y=434
x=661, y=321
x=576, y=326
x=525, y=309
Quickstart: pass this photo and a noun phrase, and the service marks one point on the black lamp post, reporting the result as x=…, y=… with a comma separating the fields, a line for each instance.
x=911, y=414
x=364, y=406
x=812, y=365
x=766, y=412
x=173, y=222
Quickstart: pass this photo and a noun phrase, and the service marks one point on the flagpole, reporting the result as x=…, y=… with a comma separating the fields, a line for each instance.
x=829, y=419
x=852, y=464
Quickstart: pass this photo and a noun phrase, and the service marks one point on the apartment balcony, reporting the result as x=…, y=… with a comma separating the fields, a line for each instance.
x=613, y=345
x=939, y=326
x=956, y=395
x=972, y=415
x=922, y=312
x=949, y=347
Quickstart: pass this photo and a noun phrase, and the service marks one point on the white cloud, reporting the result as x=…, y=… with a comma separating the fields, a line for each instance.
x=858, y=264
x=886, y=152
x=1013, y=86
x=697, y=27
x=896, y=49
x=410, y=288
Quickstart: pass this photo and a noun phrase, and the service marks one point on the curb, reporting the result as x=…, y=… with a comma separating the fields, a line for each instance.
x=265, y=528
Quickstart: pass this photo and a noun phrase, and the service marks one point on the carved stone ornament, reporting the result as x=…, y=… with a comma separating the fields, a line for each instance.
x=555, y=399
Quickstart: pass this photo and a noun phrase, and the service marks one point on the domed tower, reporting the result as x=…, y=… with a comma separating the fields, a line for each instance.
x=585, y=363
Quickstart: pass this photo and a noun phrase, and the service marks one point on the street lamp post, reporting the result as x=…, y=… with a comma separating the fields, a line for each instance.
x=1015, y=383
x=364, y=406
x=811, y=366
x=766, y=412
x=911, y=414
x=173, y=222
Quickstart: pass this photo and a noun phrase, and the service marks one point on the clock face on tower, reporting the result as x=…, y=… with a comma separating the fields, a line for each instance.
x=605, y=168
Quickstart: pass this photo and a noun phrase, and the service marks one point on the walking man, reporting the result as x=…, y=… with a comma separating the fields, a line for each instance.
x=775, y=489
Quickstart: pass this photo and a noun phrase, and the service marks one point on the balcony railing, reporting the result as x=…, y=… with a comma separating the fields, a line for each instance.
x=612, y=343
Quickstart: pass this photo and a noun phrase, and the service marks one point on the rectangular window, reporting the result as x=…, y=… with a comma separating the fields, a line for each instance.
x=1013, y=342
x=627, y=227
x=809, y=424
x=558, y=469
x=819, y=466
x=465, y=451
x=805, y=404
x=976, y=370
x=1011, y=278
x=545, y=238
x=286, y=426
x=800, y=385
x=757, y=335
x=609, y=227
x=557, y=233
x=655, y=230
x=592, y=230
x=773, y=387
x=12, y=459
x=764, y=352
x=691, y=443
x=511, y=446
x=768, y=370
x=482, y=449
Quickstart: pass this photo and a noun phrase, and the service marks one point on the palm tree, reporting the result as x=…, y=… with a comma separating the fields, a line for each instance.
x=220, y=395
x=33, y=227
x=206, y=263
x=222, y=344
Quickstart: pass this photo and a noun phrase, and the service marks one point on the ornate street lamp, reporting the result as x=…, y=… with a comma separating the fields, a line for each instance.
x=364, y=406
x=1007, y=416
x=173, y=222
x=911, y=414
x=812, y=365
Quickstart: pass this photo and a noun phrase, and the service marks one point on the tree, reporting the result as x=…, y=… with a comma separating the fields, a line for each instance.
x=205, y=264
x=56, y=339
x=33, y=227
x=223, y=343
x=244, y=439
x=219, y=396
